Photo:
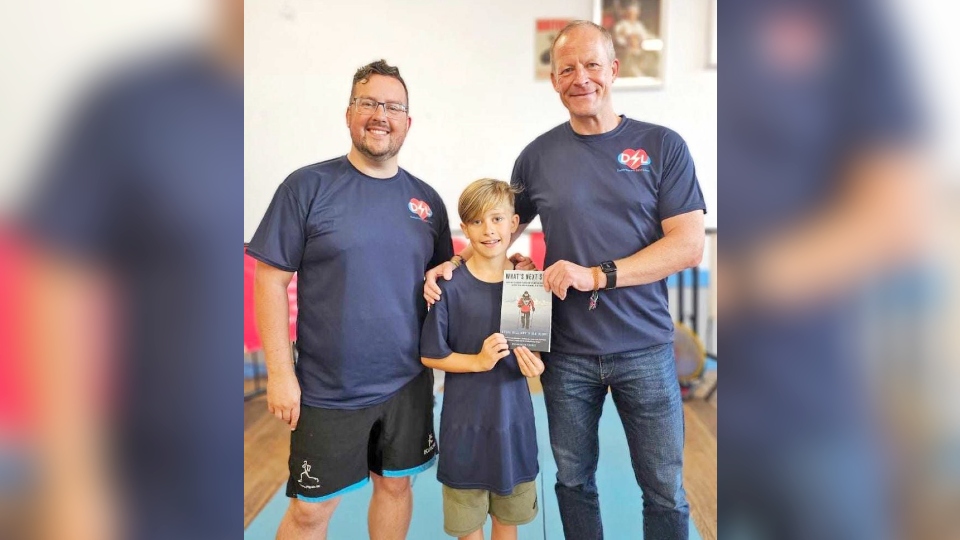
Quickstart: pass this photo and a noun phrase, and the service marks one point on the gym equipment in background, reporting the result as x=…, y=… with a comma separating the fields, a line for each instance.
x=690, y=356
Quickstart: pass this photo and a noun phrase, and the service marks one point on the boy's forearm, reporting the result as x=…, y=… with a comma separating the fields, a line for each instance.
x=455, y=363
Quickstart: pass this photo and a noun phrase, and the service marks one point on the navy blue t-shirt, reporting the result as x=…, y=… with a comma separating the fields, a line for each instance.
x=791, y=133
x=488, y=437
x=603, y=197
x=144, y=186
x=361, y=246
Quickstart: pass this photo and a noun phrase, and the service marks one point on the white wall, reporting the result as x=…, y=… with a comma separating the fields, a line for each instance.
x=55, y=52
x=469, y=69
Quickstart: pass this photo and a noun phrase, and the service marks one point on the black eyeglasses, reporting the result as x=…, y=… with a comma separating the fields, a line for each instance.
x=369, y=106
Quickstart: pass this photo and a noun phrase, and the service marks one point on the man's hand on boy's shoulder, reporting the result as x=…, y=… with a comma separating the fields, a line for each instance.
x=431, y=290
x=522, y=262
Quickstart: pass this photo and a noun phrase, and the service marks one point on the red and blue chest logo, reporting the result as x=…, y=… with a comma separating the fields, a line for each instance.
x=634, y=158
x=420, y=208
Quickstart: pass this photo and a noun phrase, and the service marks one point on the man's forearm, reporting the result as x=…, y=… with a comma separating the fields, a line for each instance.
x=671, y=254
x=70, y=321
x=273, y=315
x=876, y=223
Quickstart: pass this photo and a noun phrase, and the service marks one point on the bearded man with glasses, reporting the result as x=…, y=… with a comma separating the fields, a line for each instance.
x=360, y=232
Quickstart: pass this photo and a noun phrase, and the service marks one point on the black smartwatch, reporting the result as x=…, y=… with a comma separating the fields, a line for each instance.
x=610, y=270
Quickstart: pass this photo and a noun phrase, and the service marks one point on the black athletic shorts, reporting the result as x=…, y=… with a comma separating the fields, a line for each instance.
x=332, y=451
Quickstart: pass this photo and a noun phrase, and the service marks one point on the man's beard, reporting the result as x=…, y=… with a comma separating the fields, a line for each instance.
x=392, y=148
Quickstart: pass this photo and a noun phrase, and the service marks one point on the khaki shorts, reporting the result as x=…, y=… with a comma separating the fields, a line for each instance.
x=465, y=510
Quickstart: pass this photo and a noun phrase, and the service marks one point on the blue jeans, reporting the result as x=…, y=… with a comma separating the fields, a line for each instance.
x=647, y=395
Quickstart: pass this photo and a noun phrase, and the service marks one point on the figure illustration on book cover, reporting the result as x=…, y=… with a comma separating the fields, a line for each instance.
x=527, y=307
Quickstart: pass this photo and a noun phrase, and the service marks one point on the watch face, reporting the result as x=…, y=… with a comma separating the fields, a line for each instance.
x=608, y=266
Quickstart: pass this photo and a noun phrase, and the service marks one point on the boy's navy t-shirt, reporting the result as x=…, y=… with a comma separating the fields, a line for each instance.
x=361, y=246
x=603, y=197
x=488, y=437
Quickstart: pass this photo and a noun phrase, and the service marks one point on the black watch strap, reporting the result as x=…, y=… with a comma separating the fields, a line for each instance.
x=610, y=269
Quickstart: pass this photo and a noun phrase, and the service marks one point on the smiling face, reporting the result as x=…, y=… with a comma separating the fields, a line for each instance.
x=584, y=72
x=377, y=136
x=490, y=233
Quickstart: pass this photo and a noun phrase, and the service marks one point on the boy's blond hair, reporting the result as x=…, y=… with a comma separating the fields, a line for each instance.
x=482, y=195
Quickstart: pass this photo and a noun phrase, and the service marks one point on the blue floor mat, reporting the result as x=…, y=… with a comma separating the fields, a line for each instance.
x=620, y=498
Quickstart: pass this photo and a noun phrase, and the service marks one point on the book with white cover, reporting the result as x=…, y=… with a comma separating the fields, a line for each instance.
x=526, y=310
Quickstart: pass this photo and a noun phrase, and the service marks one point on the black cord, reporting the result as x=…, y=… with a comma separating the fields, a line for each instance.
x=542, y=508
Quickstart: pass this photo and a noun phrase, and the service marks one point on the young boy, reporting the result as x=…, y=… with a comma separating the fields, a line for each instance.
x=488, y=460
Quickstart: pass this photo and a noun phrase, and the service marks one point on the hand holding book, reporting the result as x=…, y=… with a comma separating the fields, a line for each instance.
x=494, y=349
x=530, y=363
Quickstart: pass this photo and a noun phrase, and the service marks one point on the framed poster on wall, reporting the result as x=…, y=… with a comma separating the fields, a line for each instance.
x=637, y=27
x=547, y=30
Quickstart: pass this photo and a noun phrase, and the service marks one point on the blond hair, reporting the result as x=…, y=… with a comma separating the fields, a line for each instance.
x=482, y=195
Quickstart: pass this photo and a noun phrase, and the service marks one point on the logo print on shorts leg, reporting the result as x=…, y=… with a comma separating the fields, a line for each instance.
x=430, y=444
x=311, y=482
